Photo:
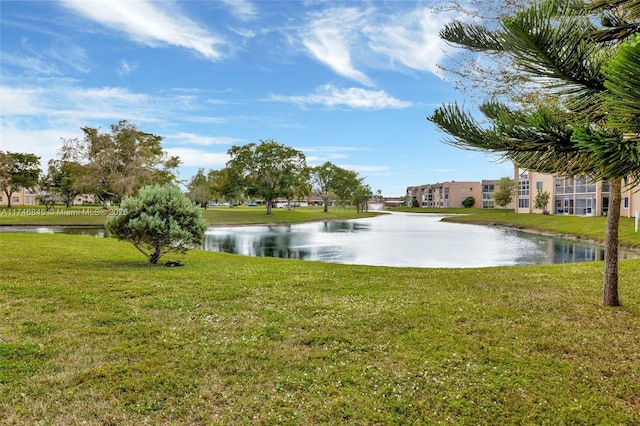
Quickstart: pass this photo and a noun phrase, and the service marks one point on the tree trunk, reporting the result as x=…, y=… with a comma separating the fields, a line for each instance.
x=610, y=280
x=155, y=256
x=269, y=203
x=8, y=198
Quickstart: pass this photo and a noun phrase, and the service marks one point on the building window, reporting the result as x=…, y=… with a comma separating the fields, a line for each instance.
x=539, y=186
x=564, y=185
x=523, y=188
x=523, y=203
x=626, y=202
x=16, y=199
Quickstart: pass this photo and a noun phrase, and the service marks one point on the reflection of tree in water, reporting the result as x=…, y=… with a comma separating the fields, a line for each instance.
x=280, y=245
x=228, y=244
x=338, y=226
x=337, y=241
x=223, y=243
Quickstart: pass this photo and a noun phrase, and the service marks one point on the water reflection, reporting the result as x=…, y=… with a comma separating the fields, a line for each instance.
x=397, y=239
x=401, y=239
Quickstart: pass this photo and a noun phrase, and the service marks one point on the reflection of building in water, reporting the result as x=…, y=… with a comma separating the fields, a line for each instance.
x=559, y=250
x=576, y=196
x=566, y=252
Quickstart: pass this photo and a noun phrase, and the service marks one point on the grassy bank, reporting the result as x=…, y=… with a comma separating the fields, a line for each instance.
x=92, y=334
x=590, y=228
x=96, y=216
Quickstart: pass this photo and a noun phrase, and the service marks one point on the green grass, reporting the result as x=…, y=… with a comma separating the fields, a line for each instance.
x=38, y=215
x=96, y=216
x=257, y=215
x=591, y=228
x=90, y=333
x=587, y=228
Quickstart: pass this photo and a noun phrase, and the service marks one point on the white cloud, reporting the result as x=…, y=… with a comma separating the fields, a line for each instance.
x=353, y=97
x=30, y=65
x=410, y=39
x=199, y=158
x=66, y=102
x=351, y=40
x=200, y=140
x=70, y=55
x=127, y=67
x=242, y=9
x=45, y=143
x=150, y=23
x=365, y=169
x=22, y=101
x=321, y=154
x=330, y=36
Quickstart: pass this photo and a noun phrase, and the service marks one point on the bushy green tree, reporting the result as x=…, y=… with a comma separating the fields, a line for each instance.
x=322, y=177
x=18, y=170
x=200, y=189
x=117, y=164
x=468, y=202
x=269, y=170
x=542, y=200
x=505, y=189
x=159, y=220
x=361, y=197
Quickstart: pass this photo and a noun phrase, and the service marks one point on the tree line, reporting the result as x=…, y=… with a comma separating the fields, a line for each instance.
x=115, y=165
x=270, y=171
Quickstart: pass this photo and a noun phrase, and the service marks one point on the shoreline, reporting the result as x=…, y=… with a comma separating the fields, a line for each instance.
x=550, y=234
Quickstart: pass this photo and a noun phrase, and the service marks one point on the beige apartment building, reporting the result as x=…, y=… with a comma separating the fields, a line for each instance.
x=571, y=195
x=22, y=197
x=445, y=194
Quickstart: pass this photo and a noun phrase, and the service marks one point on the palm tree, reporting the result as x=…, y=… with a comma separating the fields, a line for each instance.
x=553, y=45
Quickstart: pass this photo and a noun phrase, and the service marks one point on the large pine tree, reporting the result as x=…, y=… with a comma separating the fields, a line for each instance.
x=557, y=48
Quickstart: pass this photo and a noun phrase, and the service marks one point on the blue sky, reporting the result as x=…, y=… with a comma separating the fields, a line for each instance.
x=346, y=82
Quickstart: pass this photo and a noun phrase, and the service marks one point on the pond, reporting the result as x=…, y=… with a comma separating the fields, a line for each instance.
x=393, y=239
x=401, y=239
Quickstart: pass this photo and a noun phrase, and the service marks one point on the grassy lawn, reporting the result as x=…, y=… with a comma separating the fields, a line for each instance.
x=96, y=216
x=257, y=215
x=90, y=333
x=587, y=228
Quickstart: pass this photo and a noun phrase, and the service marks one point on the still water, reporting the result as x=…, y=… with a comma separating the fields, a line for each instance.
x=394, y=239
x=400, y=239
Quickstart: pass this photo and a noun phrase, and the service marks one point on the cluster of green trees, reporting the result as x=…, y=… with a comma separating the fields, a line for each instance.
x=270, y=171
x=17, y=170
x=568, y=102
x=111, y=166
x=115, y=165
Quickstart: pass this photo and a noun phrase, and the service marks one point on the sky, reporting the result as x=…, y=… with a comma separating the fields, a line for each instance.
x=350, y=82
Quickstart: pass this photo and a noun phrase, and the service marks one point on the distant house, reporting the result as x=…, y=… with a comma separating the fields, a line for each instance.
x=84, y=199
x=29, y=197
x=22, y=197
